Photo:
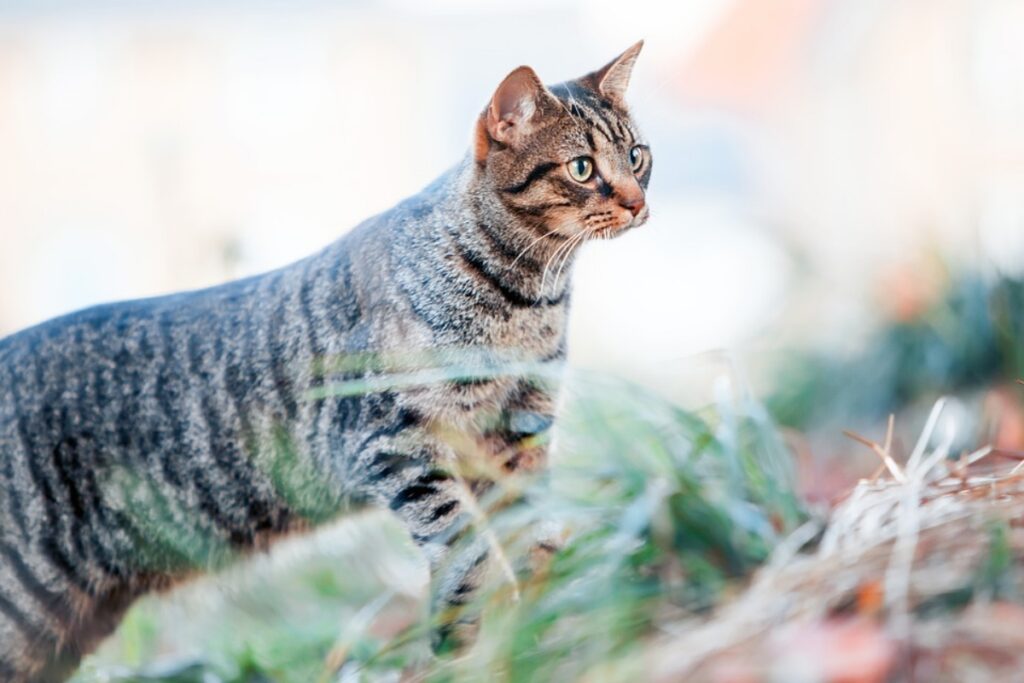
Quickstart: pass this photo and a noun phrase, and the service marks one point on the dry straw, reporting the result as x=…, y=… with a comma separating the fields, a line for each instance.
x=905, y=539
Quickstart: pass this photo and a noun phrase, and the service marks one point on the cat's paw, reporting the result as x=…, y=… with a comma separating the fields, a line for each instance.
x=454, y=637
x=548, y=539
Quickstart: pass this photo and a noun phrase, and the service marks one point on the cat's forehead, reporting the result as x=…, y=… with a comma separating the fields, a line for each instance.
x=587, y=116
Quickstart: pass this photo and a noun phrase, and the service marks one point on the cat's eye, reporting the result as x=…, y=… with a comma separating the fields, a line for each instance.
x=636, y=158
x=581, y=169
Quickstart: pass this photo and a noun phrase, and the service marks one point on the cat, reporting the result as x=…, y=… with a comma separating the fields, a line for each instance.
x=146, y=441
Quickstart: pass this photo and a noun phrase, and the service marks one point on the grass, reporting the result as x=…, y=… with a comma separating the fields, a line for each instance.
x=964, y=336
x=663, y=511
x=687, y=553
x=915, y=576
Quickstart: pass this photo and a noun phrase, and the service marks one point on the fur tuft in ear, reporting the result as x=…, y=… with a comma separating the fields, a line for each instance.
x=512, y=111
x=613, y=79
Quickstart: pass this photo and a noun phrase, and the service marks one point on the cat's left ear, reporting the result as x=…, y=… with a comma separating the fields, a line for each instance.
x=513, y=111
x=612, y=79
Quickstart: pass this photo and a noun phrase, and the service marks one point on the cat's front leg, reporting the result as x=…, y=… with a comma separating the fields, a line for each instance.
x=448, y=488
x=420, y=484
x=458, y=572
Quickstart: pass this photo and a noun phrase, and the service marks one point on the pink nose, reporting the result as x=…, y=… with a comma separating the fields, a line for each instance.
x=634, y=204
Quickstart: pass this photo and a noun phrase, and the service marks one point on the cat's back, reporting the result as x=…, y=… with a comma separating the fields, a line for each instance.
x=152, y=381
x=102, y=350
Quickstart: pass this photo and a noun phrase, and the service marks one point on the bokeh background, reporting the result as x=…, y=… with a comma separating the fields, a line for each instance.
x=825, y=172
x=807, y=151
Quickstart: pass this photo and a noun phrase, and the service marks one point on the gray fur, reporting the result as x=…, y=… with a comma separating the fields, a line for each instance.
x=144, y=441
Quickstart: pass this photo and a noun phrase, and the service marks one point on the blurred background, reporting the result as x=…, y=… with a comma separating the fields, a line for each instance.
x=809, y=152
x=838, y=185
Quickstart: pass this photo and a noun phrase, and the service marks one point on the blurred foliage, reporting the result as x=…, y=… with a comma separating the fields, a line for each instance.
x=662, y=510
x=971, y=336
x=664, y=514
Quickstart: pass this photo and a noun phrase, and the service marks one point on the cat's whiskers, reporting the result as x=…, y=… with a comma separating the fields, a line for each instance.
x=544, y=274
x=568, y=254
x=528, y=247
x=551, y=260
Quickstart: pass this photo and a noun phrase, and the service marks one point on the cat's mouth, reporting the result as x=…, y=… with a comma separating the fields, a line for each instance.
x=609, y=233
x=605, y=232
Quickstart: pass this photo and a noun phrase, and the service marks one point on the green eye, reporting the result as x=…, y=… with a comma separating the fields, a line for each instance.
x=581, y=168
x=636, y=158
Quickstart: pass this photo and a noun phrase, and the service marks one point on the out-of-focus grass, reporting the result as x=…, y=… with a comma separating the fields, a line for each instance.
x=663, y=512
x=666, y=515
x=967, y=336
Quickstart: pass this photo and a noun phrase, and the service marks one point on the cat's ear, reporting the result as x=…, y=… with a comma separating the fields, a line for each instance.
x=513, y=111
x=612, y=79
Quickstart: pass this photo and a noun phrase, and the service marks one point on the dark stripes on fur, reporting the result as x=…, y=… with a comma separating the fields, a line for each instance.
x=538, y=172
x=142, y=440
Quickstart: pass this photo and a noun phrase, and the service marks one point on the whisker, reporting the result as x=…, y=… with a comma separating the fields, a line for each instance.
x=544, y=276
x=578, y=239
x=558, y=273
x=528, y=247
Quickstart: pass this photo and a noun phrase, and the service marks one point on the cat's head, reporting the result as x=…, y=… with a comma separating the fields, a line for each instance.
x=567, y=157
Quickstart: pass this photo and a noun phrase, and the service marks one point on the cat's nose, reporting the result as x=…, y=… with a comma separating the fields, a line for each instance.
x=634, y=204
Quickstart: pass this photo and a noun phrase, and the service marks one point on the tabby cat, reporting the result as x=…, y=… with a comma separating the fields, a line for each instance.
x=143, y=442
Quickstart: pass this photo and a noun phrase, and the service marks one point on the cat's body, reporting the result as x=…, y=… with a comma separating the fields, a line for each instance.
x=141, y=442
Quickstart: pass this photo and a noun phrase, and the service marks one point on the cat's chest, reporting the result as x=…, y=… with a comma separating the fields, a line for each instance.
x=492, y=367
x=515, y=400
x=536, y=330
x=528, y=331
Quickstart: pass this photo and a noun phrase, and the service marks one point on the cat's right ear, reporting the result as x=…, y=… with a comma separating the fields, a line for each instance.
x=512, y=112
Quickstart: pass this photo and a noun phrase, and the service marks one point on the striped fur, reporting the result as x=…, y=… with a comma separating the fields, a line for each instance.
x=145, y=441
